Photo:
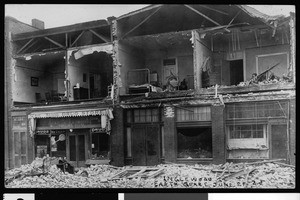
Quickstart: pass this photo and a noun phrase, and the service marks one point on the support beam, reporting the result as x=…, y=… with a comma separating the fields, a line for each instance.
x=141, y=23
x=256, y=39
x=99, y=36
x=66, y=40
x=31, y=45
x=199, y=13
x=224, y=13
x=56, y=43
x=77, y=38
x=25, y=45
x=233, y=18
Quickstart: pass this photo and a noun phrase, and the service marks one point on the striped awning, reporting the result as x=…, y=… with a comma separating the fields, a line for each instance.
x=71, y=113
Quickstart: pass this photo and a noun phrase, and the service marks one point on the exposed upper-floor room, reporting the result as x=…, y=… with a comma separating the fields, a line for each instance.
x=155, y=49
x=182, y=47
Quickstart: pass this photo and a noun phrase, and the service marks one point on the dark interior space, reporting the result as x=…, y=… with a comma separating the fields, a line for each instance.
x=194, y=142
x=236, y=72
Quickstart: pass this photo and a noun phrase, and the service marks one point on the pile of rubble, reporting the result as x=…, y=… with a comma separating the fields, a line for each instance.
x=264, y=174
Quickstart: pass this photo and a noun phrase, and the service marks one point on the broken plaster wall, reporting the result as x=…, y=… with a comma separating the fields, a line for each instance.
x=202, y=57
x=245, y=45
x=129, y=58
x=12, y=26
x=75, y=70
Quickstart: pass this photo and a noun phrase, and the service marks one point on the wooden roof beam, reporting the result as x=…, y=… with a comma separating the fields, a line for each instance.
x=77, y=38
x=60, y=30
x=56, y=43
x=224, y=13
x=233, y=18
x=99, y=36
x=141, y=23
x=201, y=14
x=23, y=47
x=31, y=45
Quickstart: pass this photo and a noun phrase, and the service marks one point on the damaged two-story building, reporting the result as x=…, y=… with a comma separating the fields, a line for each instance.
x=166, y=83
x=59, y=92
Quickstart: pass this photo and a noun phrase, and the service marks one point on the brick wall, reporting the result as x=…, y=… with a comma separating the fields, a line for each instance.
x=169, y=135
x=218, y=134
x=117, y=137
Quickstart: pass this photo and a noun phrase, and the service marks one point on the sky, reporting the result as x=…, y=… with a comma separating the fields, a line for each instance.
x=56, y=15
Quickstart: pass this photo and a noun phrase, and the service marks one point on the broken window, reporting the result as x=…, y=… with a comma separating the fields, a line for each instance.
x=194, y=142
x=100, y=146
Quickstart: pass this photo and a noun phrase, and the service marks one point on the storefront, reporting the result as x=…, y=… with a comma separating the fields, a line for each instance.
x=80, y=136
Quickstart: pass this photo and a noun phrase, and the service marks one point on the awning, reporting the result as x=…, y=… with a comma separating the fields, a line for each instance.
x=72, y=113
x=106, y=115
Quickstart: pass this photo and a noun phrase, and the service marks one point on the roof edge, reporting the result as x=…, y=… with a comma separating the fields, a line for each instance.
x=152, y=6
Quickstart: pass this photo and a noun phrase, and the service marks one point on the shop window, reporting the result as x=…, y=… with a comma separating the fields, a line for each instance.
x=246, y=131
x=143, y=115
x=58, y=148
x=194, y=142
x=257, y=110
x=247, y=136
x=100, y=146
x=42, y=145
x=48, y=143
x=193, y=114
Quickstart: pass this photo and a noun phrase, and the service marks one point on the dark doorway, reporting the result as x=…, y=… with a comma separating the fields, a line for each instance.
x=145, y=145
x=279, y=141
x=77, y=148
x=236, y=72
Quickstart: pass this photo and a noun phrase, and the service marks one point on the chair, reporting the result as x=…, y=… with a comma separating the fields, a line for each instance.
x=48, y=96
x=38, y=98
x=55, y=96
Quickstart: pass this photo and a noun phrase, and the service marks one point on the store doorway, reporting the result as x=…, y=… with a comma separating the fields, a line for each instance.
x=279, y=141
x=77, y=148
x=145, y=145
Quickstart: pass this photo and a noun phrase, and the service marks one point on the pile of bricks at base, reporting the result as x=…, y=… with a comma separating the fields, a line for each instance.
x=263, y=174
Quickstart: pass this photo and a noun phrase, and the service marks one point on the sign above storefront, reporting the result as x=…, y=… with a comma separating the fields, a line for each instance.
x=45, y=132
x=70, y=113
x=98, y=130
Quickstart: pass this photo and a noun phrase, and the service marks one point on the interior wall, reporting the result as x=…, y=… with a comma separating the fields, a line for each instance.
x=129, y=58
x=201, y=54
x=251, y=59
x=75, y=74
x=183, y=54
x=247, y=47
x=47, y=75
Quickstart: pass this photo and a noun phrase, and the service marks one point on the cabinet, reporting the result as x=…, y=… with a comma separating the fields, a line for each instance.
x=81, y=93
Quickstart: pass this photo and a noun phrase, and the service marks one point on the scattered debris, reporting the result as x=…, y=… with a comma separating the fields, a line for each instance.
x=263, y=174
